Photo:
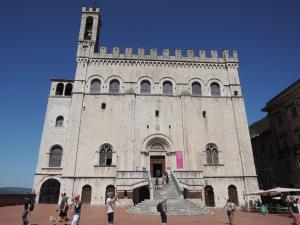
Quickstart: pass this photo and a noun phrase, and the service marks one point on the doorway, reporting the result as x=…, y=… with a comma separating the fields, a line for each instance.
x=86, y=194
x=49, y=192
x=157, y=166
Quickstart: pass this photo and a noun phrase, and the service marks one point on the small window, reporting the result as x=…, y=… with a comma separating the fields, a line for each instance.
x=167, y=88
x=169, y=126
x=236, y=93
x=204, y=114
x=147, y=126
x=294, y=112
x=59, y=121
x=59, y=89
x=125, y=194
x=145, y=87
x=215, y=89
x=95, y=86
x=69, y=88
x=88, y=28
x=114, y=86
x=196, y=89
x=157, y=113
x=103, y=105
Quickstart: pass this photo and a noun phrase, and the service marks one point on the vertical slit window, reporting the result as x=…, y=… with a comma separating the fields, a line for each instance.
x=88, y=28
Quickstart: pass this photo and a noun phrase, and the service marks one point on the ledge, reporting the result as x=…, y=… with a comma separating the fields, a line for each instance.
x=213, y=164
x=105, y=166
x=52, y=168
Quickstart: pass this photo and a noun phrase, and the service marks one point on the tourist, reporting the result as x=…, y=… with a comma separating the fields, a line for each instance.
x=110, y=203
x=28, y=206
x=63, y=208
x=77, y=209
x=167, y=178
x=163, y=211
x=156, y=183
x=230, y=208
x=293, y=206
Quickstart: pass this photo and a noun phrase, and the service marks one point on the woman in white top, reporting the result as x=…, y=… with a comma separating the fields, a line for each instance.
x=110, y=203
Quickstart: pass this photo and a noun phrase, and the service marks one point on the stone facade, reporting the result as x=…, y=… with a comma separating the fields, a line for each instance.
x=138, y=108
x=276, y=141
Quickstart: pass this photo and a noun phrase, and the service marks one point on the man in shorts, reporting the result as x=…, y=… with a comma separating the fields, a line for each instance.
x=110, y=203
x=230, y=208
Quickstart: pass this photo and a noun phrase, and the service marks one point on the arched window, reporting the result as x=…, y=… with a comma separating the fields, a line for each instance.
x=69, y=88
x=215, y=89
x=59, y=89
x=196, y=88
x=157, y=147
x=105, y=158
x=145, y=87
x=114, y=86
x=167, y=88
x=55, y=156
x=95, y=86
x=88, y=28
x=59, y=121
x=212, y=154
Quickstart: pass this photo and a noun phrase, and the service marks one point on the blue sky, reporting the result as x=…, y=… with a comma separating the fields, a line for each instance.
x=38, y=41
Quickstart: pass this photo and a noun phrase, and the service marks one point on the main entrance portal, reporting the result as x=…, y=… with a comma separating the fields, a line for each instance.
x=157, y=166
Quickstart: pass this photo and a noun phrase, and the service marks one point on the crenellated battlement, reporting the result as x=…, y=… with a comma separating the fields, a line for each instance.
x=90, y=10
x=167, y=55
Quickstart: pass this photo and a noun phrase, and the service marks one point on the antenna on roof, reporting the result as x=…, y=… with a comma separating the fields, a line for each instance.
x=94, y=4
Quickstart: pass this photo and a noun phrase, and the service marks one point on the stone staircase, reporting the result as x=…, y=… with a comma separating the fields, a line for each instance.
x=175, y=204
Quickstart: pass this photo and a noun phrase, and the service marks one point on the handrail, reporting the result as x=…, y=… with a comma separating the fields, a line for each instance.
x=150, y=185
x=177, y=184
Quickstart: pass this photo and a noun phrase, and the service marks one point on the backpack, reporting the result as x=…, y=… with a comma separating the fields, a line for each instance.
x=159, y=207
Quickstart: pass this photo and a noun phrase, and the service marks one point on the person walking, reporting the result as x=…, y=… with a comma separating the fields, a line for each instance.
x=163, y=211
x=294, y=211
x=28, y=206
x=110, y=203
x=230, y=208
x=63, y=208
x=77, y=210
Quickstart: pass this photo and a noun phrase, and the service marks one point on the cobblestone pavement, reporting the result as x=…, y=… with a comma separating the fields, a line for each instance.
x=96, y=215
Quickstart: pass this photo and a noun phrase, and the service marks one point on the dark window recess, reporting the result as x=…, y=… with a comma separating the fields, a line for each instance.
x=157, y=113
x=59, y=89
x=69, y=88
x=279, y=120
x=204, y=114
x=125, y=194
x=215, y=89
x=236, y=93
x=88, y=28
x=169, y=126
x=103, y=106
x=294, y=112
x=147, y=126
x=167, y=88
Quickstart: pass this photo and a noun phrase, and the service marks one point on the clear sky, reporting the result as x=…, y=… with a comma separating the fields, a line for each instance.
x=38, y=41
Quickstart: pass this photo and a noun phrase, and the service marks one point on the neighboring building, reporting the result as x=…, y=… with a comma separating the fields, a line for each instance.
x=276, y=141
x=128, y=117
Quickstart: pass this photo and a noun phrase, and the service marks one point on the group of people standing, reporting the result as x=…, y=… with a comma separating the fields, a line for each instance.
x=64, y=206
x=161, y=182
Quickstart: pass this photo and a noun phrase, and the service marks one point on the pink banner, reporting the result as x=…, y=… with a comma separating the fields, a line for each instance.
x=179, y=159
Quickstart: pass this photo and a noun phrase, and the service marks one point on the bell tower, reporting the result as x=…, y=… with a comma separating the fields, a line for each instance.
x=89, y=31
